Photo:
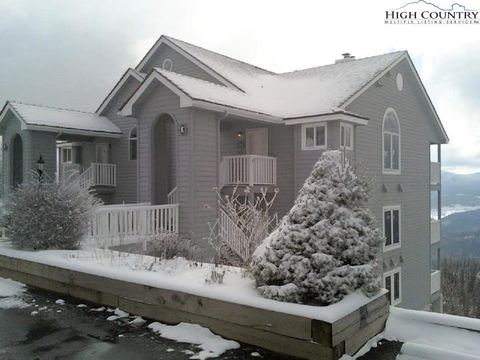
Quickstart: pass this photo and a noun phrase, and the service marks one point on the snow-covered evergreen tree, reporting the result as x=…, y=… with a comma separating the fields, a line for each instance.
x=327, y=245
x=43, y=214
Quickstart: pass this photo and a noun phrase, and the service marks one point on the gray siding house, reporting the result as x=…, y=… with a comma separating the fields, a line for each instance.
x=187, y=120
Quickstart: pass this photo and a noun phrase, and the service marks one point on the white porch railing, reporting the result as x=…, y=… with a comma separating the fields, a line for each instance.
x=233, y=236
x=434, y=231
x=128, y=224
x=249, y=170
x=172, y=196
x=99, y=175
x=435, y=173
x=435, y=281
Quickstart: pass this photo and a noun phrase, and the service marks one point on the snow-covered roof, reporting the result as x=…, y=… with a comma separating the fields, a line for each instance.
x=315, y=91
x=302, y=93
x=44, y=118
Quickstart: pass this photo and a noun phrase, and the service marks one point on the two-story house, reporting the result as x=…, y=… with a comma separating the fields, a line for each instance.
x=186, y=120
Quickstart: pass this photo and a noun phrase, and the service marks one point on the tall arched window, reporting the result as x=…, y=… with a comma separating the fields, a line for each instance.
x=133, y=144
x=391, y=142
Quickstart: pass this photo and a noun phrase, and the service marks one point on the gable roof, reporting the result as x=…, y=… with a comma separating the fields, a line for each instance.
x=304, y=93
x=50, y=119
x=126, y=75
x=293, y=95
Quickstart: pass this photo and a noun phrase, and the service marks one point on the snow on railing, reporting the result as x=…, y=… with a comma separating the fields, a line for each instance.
x=172, y=196
x=127, y=224
x=249, y=170
x=233, y=236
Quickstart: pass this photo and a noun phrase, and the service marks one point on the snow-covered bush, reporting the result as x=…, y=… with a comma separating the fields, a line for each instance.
x=43, y=214
x=326, y=246
x=167, y=245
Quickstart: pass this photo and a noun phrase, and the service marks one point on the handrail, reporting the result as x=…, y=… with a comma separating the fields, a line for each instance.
x=172, y=196
x=248, y=170
x=233, y=235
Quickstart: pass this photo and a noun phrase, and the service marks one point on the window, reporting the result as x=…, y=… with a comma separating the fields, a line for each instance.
x=314, y=137
x=346, y=136
x=133, y=144
x=391, y=142
x=391, y=227
x=67, y=155
x=392, y=281
x=167, y=65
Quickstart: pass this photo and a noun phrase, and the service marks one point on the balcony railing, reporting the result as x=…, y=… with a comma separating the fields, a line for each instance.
x=99, y=174
x=435, y=173
x=435, y=281
x=248, y=170
x=435, y=231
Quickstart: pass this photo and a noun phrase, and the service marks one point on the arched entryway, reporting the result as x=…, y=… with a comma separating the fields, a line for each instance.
x=164, y=158
x=17, y=160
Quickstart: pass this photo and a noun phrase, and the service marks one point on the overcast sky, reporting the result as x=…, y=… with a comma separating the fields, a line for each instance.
x=71, y=53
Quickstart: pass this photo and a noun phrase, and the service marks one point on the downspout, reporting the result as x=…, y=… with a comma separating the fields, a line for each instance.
x=225, y=115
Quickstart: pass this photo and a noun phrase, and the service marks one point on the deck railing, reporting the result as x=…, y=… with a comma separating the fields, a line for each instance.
x=435, y=283
x=99, y=174
x=231, y=234
x=248, y=170
x=172, y=196
x=127, y=224
x=435, y=168
x=434, y=231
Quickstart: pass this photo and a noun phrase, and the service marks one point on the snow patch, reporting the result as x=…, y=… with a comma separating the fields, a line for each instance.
x=440, y=331
x=212, y=345
x=9, y=287
x=60, y=302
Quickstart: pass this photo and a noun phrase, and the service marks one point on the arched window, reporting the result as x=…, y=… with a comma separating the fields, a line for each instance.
x=133, y=144
x=391, y=142
x=167, y=65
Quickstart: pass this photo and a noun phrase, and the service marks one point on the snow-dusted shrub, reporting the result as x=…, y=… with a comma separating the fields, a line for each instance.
x=326, y=246
x=167, y=245
x=43, y=214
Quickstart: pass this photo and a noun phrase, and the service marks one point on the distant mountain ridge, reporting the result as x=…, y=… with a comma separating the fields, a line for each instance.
x=452, y=7
x=460, y=189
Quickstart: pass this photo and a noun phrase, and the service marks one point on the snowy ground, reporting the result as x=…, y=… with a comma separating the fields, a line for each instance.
x=182, y=275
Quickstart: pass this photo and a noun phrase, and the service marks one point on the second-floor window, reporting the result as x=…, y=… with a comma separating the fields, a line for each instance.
x=391, y=226
x=346, y=136
x=67, y=155
x=314, y=136
x=133, y=144
x=392, y=281
x=391, y=142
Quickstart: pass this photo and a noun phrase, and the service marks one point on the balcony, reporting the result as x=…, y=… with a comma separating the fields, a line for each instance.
x=101, y=177
x=248, y=170
x=434, y=281
x=435, y=231
x=435, y=173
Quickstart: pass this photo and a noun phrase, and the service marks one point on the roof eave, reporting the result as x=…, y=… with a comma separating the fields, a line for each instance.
x=72, y=131
x=332, y=116
x=126, y=75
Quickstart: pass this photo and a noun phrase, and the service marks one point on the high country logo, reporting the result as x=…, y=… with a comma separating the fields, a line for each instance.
x=424, y=12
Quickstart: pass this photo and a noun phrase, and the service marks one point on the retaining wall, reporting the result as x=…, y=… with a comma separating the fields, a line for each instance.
x=283, y=333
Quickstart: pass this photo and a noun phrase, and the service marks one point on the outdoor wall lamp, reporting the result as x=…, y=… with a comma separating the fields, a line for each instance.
x=239, y=135
x=5, y=147
x=40, y=166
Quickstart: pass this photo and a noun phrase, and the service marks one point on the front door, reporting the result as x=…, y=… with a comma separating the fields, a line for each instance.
x=103, y=153
x=257, y=141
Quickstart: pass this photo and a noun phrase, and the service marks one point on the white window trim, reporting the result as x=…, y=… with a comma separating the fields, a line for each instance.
x=391, y=273
x=389, y=208
x=130, y=144
x=345, y=126
x=71, y=155
x=392, y=171
x=304, y=136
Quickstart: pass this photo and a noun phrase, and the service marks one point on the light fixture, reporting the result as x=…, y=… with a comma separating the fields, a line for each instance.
x=40, y=165
x=239, y=135
x=5, y=147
